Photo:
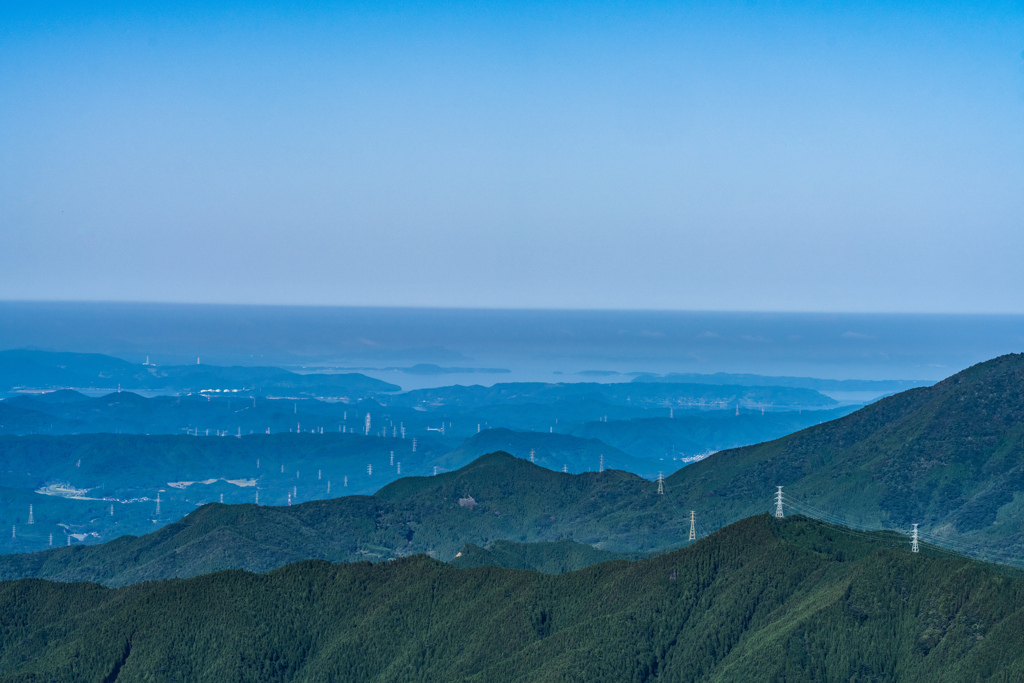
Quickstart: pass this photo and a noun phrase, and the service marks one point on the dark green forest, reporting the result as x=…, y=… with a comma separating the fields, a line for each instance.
x=761, y=600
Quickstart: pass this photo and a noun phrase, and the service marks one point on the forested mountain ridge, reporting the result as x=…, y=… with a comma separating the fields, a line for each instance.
x=761, y=600
x=949, y=457
x=495, y=497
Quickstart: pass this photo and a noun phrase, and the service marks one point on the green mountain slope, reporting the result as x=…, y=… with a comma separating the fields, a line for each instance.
x=552, y=557
x=762, y=600
x=949, y=457
x=497, y=497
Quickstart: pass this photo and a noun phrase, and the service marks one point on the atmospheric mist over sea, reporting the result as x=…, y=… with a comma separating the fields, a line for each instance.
x=479, y=346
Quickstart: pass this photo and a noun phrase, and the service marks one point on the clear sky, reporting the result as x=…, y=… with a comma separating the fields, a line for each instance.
x=816, y=156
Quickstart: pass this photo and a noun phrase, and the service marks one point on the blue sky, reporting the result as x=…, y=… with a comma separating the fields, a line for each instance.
x=733, y=156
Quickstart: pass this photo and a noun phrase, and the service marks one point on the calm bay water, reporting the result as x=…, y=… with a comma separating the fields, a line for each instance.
x=528, y=344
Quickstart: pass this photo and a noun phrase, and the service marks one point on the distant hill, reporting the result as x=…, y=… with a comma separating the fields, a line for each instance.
x=23, y=369
x=551, y=450
x=747, y=380
x=496, y=497
x=762, y=600
x=106, y=485
x=622, y=394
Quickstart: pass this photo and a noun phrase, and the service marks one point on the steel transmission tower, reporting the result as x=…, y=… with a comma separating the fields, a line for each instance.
x=693, y=526
x=913, y=540
x=661, y=484
x=778, y=503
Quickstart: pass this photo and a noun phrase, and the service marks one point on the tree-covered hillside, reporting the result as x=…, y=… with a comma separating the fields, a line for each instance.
x=762, y=600
x=949, y=457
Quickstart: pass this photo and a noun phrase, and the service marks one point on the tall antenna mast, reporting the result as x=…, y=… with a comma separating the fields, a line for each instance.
x=661, y=484
x=693, y=525
x=913, y=540
x=778, y=503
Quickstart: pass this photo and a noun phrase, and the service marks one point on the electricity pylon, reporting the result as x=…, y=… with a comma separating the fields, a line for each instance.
x=778, y=503
x=693, y=526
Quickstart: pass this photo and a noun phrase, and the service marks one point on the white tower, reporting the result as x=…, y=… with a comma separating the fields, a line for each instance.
x=289, y=497
x=661, y=484
x=913, y=540
x=257, y=496
x=319, y=475
x=601, y=465
x=369, y=470
x=778, y=503
x=367, y=424
x=345, y=482
x=111, y=509
x=532, y=458
x=392, y=458
x=158, y=504
x=565, y=468
x=399, y=468
x=693, y=526
x=222, y=498
x=31, y=517
x=51, y=540
x=328, y=487
x=414, y=445
x=435, y=470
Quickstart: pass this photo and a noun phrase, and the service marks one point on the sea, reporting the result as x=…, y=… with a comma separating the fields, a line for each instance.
x=426, y=347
